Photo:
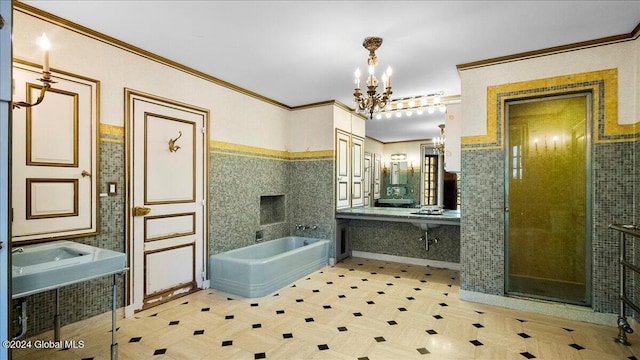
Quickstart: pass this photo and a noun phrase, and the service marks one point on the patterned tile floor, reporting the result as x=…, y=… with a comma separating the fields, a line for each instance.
x=358, y=309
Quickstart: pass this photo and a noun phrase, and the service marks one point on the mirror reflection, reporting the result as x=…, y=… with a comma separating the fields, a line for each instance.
x=407, y=184
x=398, y=173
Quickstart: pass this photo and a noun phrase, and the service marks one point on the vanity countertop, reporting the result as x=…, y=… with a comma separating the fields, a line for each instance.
x=449, y=217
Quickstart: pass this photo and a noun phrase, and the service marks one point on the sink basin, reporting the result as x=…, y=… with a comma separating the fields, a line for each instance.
x=51, y=265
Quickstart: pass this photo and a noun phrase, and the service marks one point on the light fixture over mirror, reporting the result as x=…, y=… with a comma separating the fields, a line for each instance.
x=414, y=105
x=372, y=102
x=46, y=76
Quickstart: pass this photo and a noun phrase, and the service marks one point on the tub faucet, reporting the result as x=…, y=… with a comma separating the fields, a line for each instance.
x=17, y=250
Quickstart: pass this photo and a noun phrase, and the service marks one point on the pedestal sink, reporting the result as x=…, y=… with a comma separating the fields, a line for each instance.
x=51, y=265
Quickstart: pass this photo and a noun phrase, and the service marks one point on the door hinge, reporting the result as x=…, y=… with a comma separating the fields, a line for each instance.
x=203, y=130
x=204, y=202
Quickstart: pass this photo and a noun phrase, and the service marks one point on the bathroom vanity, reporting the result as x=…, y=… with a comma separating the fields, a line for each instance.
x=406, y=233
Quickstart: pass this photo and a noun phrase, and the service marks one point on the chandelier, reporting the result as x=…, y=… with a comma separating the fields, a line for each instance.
x=372, y=102
x=438, y=142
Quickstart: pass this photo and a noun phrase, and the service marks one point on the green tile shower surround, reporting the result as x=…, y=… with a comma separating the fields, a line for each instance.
x=482, y=225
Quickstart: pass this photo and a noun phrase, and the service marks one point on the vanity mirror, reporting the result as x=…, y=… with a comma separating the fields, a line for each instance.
x=398, y=169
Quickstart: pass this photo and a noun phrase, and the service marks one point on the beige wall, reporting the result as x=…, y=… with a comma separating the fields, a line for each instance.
x=623, y=56
x=235, y=117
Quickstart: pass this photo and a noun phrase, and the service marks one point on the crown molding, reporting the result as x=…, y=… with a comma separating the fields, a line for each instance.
x=633, y=35
x=85, y=31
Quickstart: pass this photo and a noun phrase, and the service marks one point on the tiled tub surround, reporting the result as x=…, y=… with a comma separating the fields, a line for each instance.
x=357, y=309
x=88, y=299
x=240, y=175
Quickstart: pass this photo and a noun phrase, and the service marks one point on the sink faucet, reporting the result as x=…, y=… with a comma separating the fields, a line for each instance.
x=17, y=250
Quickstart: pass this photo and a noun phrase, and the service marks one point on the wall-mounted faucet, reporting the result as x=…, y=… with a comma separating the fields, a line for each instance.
x=17, y=250
x=306, y=227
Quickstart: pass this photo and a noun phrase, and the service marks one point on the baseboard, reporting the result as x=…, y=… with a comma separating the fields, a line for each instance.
x=565, y=311
x=406, y=260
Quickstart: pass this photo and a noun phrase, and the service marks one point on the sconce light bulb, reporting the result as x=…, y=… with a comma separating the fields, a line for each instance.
x=44, y=42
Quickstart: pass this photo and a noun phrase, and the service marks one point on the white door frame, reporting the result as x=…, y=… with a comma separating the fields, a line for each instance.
x=134, y=302
x=5, y=173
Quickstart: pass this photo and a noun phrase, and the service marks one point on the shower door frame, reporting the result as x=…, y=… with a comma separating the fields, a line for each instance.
x=588, y=95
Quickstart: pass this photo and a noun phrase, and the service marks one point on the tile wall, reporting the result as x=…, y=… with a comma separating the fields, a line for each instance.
x=238, y=177
x=402, y=239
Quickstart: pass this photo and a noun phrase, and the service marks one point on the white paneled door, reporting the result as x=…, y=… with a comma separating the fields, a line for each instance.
x=167, y=208
x=54, y=157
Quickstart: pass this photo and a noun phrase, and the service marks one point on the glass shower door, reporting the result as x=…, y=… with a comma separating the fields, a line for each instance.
x=547, y=194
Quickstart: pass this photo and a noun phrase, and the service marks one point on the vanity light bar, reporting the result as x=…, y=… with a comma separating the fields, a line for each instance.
x=418, y=104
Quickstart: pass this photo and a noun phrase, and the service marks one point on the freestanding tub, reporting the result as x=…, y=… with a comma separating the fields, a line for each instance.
x=260, y=269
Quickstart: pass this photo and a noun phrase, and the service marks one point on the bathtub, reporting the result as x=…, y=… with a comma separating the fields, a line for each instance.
x=261, y=269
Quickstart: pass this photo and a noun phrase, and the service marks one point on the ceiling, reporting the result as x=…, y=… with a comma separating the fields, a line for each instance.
x=303, y=52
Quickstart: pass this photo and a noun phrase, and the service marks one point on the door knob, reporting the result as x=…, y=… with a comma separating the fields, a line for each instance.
x=85, y=173
x=141, y=210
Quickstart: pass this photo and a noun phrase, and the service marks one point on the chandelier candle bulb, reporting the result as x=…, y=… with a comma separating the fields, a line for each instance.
x=389, y=71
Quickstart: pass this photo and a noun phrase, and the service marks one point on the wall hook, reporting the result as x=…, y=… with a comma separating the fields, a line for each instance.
x=172, y=143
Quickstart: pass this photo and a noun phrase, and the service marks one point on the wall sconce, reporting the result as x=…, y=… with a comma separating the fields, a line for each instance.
x=46, y=76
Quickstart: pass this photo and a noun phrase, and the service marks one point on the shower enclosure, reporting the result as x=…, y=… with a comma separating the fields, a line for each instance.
x=547, y=212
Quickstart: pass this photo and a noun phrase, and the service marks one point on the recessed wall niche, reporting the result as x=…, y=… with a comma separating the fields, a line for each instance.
x=272, y=209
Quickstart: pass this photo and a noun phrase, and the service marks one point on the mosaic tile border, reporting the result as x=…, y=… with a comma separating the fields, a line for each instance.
x=220, y=147
x=603, y=84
